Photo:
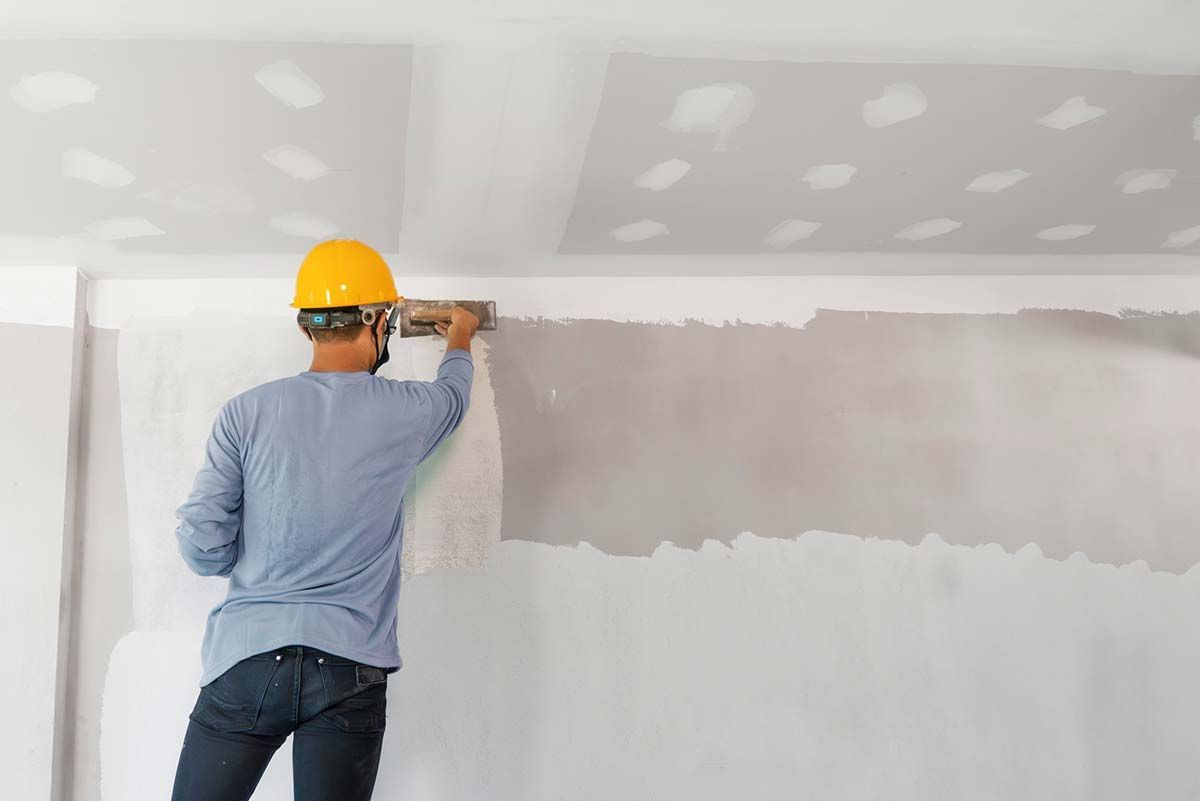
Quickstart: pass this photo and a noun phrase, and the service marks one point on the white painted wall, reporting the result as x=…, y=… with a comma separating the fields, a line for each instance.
x=826, y=666
x=40, y=340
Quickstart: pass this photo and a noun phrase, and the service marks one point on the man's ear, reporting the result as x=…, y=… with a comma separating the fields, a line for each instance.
x=304, y=331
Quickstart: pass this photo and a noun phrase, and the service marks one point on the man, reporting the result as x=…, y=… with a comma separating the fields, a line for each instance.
x=298, y=503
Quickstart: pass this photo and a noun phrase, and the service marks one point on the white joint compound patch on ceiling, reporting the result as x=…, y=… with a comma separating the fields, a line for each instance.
x=899, y=102
x=290, y=85
x=663, y=175
x=119, y=228
x=790, y=232
x=719, y=108
x=85, y=165
x=308, y=226
x=1184, y=238
x=639, y=231
x=296, y=162
x=213, y=147
x=1074, y=111
x=1135, y=182
x=829, y=176
x=928, y=229
x=888, y=157
x=997, y=181
x=1065, y=233
x=52, y=90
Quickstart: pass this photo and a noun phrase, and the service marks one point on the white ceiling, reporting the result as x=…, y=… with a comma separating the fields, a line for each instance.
x=519, y=138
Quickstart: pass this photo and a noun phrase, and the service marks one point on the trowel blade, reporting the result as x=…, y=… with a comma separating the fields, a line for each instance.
x=412, y=308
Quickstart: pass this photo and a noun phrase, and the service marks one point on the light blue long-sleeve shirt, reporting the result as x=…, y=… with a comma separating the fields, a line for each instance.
x=299, y=503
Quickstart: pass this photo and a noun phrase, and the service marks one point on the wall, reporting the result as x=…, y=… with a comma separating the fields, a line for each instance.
x=39, y=338
x=914, y=537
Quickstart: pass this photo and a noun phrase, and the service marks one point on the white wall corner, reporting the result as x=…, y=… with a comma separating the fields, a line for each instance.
x=61, y=784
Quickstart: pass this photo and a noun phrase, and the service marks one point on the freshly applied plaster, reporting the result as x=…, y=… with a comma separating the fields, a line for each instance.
x=1073, y=430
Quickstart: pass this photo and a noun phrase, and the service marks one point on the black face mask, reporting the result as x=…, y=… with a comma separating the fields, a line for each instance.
x=388, y=330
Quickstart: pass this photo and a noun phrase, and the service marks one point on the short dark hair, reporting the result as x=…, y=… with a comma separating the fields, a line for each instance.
x=345, y=333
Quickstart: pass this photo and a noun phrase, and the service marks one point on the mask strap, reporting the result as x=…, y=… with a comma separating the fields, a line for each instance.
x=388, y=330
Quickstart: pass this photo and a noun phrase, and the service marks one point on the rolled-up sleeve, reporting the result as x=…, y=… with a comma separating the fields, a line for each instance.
x=449, y=396
x=210, y=520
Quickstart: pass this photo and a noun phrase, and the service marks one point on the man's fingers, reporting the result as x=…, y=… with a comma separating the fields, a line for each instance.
x=440, y=328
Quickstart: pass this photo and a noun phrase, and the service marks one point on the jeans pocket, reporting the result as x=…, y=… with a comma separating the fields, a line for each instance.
x=355, y=696
x=231, y=702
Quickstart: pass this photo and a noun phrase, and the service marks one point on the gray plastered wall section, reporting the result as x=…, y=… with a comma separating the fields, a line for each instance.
x=191, y=122
x=1072, y=430
x=978, y=120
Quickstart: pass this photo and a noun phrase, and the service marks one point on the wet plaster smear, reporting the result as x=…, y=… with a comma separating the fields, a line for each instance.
x=966, y=570
x=1073, y=430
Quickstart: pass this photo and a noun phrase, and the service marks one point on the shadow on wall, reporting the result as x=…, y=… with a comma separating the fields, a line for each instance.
x=1073, y=430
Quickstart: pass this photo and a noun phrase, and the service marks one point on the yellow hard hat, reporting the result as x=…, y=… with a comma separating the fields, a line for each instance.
x=343, y=272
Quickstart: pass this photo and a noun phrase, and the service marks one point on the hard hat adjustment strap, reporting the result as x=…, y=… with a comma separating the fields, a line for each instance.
x=328, y=319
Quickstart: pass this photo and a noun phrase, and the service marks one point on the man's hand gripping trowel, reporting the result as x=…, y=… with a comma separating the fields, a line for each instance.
x=419, y=318
x=416, y=318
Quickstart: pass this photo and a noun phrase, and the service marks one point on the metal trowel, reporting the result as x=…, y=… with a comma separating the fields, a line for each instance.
x=418, y=316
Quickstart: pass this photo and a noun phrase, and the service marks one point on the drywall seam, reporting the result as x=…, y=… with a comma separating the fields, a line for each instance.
x=782, y=300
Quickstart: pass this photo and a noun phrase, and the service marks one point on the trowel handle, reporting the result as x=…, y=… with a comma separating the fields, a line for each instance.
x=430, y=315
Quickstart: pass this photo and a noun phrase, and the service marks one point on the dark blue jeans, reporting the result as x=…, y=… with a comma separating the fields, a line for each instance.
x=335, y=707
